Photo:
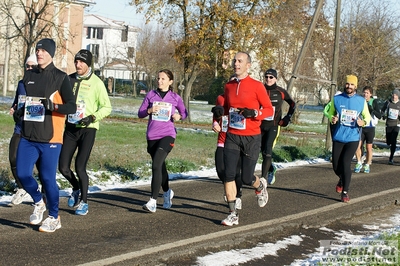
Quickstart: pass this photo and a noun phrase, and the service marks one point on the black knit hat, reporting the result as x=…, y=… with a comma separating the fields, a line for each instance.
x=85, y=56
x=48, y=45
x=272, y=72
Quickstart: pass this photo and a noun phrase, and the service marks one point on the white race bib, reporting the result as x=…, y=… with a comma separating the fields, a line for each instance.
x=164, y=114
x=393, y=113
x=236, y=120
x=34, y=109
x=80, y=112
x=348, y=117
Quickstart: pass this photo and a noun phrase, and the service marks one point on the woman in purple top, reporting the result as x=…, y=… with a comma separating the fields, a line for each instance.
x=163, y=106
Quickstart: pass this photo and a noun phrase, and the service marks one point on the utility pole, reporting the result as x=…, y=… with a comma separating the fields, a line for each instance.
x=305, y=45
x=6, y=58
x=328, y=142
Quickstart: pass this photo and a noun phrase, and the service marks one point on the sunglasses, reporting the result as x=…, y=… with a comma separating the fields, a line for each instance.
x=30, y=66
x=269, y=77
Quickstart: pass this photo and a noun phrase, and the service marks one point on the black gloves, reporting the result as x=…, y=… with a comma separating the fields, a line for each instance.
x=87, y=120
x=18, y=114
x=217, y=111
x=248, y=113
x=284, y=121
x=48, y=104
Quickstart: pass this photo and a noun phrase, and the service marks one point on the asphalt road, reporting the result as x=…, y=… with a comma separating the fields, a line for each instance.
x=117, y=231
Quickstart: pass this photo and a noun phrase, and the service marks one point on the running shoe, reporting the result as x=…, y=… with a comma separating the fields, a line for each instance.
x=391, y=162
x=168, y=199
x=366, y=169
x=345, y=197
x=358, y=167
x=150, y=206
x=50, y=225
x=232, y=219
x=271, y=175
x=83, y=208
x=73, y=200
x=18, y=196
x=339, y=188
x=262, y=196
x=37, y=215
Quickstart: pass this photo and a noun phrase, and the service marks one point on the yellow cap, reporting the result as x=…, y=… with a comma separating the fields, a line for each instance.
x=351, y=79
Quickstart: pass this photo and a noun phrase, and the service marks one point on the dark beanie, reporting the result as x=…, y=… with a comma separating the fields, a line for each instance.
x=85, y=56
x=47, y=44
x=271, y=72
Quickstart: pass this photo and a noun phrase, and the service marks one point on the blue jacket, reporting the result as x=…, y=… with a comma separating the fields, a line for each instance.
x=157, y=129
x=348, y=109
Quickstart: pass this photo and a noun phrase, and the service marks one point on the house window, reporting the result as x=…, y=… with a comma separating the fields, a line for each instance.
x=94, y=33
x=131, y=52
x=124, y=34
x=94, y=49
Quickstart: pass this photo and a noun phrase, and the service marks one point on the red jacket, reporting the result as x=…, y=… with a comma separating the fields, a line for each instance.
x=246, y=93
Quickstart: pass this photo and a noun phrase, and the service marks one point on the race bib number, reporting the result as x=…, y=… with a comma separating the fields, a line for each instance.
x=164, y=113
x=271, y=118
x=21, y=101
x=236, y=120
x=80, y=112
x=348, y=117
x=224, y=123
x=34, y=109
x=393, y=113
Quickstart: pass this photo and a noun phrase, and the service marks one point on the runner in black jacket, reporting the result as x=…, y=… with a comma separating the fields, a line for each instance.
x=270, y=126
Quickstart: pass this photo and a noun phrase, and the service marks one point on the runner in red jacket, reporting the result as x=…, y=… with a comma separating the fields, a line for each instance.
x=246, y=104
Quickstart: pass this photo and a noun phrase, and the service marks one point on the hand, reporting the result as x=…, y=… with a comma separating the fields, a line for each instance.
x=18, y=114
x=217, y=111
x=248, y=113
x=384, y=117
x=48, y=104
x=284, y=121
x=334, y=119
x=86, y=120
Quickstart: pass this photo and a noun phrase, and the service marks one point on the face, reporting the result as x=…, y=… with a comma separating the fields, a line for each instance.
x=43, y=58
x=367, y=95
x=395, y=98
x=81, y=67
x=269, y=79
x=350, y=88
x=241, y=65
x=30, y=65
x=163, y=81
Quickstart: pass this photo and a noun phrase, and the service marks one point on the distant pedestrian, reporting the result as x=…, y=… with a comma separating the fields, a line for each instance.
x=246, y=104
x=48, y=99
x=271, y=126
x=164, y=108
x=19, y=101
x=368, y=132
x=391, y=112
x=93, y=104
x=349, y=111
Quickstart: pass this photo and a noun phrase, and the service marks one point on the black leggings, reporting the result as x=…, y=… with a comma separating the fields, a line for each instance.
x=342, y=154
x=12, y=156
x=268, y=139
x=83, y=140
x=220, y=167
x=159, y=150
x=391, y=139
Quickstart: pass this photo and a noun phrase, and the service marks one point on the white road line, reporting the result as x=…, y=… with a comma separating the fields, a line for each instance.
x=225, y=232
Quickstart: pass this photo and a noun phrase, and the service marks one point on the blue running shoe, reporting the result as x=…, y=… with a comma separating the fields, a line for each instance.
x=358, y=167
x=73, y=200
x=271, y=175
x=366, y=169
x=83, y=209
